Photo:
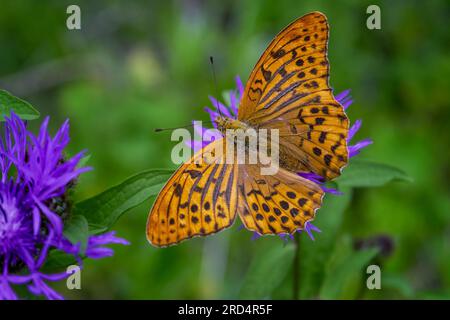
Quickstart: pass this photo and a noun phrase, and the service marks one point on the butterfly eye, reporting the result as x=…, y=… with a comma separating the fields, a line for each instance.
x=218, y=121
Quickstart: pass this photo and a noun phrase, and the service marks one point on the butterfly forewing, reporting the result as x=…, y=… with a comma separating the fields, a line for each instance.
x=289, y=90
x=199, y=199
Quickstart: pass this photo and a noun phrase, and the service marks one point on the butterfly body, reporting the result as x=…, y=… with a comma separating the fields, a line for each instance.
x=225, y=123
x=288, y=90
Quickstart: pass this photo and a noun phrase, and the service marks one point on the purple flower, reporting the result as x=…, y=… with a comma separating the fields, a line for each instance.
x=35, y=180
x=309, y=227
x=231, y=111
x=95, y=247
x=346, y=100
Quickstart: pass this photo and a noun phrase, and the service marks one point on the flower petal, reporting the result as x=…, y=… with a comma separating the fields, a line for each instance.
x=355, y=149
x=354, y=129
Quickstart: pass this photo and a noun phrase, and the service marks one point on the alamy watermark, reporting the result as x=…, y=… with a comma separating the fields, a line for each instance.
x=73, y=21
x=374, y=279
x=374, y=20
x=73, y=281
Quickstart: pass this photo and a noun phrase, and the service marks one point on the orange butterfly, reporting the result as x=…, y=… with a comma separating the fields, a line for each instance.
x=287, y=90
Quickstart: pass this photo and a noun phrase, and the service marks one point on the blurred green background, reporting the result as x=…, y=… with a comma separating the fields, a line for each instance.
x=138, y=65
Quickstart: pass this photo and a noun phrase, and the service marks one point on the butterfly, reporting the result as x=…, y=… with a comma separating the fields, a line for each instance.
x=287, y=90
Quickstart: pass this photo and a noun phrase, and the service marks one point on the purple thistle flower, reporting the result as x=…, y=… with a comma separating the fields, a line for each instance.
x=95, y=248
x=314, y=177
x=346, y=100
x=309, y=227
x=35, y=178
x=231, y=111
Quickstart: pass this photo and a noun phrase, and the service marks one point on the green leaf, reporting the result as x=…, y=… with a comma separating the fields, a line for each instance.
x=83, y=161
x=20, y=107
x=345, y=266
x=364, y=173
x=58, y=260
x=267, y=270
x=76, y=229
x=103, y=210
x=315, y=254
x=399, y=283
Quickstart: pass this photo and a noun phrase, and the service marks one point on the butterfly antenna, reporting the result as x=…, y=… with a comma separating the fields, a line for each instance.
x=211, y=60
x=169, y=129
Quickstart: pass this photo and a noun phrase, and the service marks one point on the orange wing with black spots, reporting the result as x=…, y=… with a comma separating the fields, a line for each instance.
x=289, y=90
x=276, y=204
x=199, y=199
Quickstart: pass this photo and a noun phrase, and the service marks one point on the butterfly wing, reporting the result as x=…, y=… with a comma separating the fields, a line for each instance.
x=276, y=204
x=199, y=199
x=289, y=90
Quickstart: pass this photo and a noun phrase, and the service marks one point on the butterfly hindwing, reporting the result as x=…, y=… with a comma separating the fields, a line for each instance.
x=289, y=90
x=199, y=199
x=276, y=204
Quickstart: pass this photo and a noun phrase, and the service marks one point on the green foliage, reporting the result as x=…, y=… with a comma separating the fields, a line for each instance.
x=10, y=103
x=399, y=284
x=58, y=261
x=344, y=268
x=364, y=173
x=315, y=254
x=84, y=161
x=266, y=272
x=103, y=210
x=76, y=229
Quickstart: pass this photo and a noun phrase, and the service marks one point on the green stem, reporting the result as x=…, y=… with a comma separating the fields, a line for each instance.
x=296, y=276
